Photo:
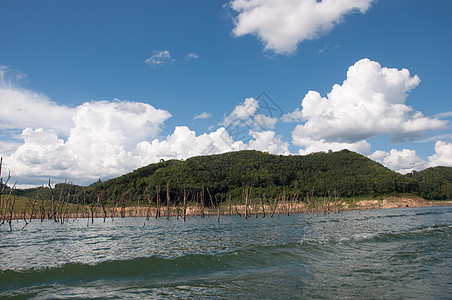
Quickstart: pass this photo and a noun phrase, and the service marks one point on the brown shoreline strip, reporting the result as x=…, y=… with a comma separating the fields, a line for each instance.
x=193, y=211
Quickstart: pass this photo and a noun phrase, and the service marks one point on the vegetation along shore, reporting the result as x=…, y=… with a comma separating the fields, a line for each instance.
x=247, y=183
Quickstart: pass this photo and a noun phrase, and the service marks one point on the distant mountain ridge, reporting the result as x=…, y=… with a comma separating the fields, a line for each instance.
x=345, y=173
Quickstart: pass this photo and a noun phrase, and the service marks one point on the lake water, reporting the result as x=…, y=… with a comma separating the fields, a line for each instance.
x=376, y=254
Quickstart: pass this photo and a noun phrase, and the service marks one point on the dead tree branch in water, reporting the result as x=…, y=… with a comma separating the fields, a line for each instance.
x=263, y=204
x=157, y=213
x=167, y=201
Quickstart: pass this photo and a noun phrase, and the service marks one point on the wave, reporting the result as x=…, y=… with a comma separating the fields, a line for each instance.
x=427, y=213
x=149, y=268
x=377, y=237
x=419, y=233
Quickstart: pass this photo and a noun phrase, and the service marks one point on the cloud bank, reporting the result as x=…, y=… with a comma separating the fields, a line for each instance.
x=406, y=160
x=102, y=142
x=105, y=152
x=282, y=24
x=104, y=139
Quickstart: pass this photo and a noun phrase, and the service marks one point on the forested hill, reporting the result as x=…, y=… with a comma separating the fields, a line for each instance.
x=434, y=183
x=347, y=173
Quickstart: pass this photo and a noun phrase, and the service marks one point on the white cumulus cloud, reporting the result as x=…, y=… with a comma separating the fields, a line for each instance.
x=370, y=102
x=242, y=112
x=41, y=156
x=442, y=156
x=248, y=114
x=184, y=143
x=101, y=143
x=268, y=141
x=405, y=160
x=106, y=134
x=282, y=24
x=312, y=145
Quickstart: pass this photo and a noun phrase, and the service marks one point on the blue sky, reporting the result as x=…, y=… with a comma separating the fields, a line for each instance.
x=94, y=89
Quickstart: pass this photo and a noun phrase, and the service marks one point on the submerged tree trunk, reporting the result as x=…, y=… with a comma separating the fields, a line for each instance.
x=263, y=205
x=185, y=204
x=157, y=213
x=247, y=196
x=167, y=201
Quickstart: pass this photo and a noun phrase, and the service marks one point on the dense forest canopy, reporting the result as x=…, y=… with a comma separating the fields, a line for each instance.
x=343, y=173
x=434, y=183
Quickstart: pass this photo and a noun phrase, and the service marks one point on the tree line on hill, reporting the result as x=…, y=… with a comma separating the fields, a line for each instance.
x=214, y=178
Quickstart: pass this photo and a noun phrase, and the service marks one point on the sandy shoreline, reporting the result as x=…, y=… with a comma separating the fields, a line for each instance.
x=393, y=202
